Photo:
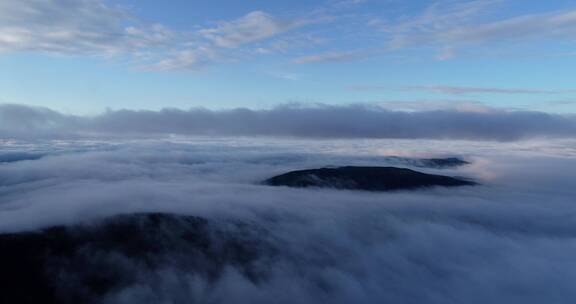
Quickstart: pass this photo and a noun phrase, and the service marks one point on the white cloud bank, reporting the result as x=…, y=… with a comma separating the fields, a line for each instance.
x=511, y=240
x=322, y=121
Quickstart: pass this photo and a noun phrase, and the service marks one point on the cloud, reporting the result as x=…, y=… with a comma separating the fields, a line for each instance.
x=458, y=90
x=73, y=27
x=339, y=4
x=440, y=16
x=188, y=59
x=326, y=57
x=415, y=31
x=462, y=90
x=560, y=102
x=323, y=121
x=449, y=26
x=431, y=105
x=335, y=57
x=100, y=28
x=96, y=28
x=446, y=53
x=432, y=246
x=22, y=120
x=252, y=27
x=215, y=43
x=528, y=27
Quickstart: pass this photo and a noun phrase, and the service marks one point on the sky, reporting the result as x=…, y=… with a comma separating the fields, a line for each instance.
x=86, y=56
x=185, y=108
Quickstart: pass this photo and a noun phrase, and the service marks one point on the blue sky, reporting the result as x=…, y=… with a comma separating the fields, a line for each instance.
x=83, y=56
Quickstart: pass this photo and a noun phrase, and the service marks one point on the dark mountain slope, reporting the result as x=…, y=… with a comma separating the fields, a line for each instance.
x=84, y=263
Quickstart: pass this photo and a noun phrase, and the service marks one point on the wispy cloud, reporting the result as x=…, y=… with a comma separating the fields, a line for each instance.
x=283, y=75
x=539, y=26
x=252, y=27
x=185, y=59
x=94, y=27
x=336, y=56
x=433, y=105
x=460, y=90
x=439, y=17
x=403, y=32
x=347, y=3
x=214, y=44
x=99, y=28
x=326, y=57
x=449, y=27
x=72, y=27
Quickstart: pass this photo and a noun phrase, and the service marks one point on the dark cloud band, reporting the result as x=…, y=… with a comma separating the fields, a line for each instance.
x=321, y=121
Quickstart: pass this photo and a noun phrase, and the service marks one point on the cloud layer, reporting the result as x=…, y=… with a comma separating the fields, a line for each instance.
x=508, y=241
x=322, y=121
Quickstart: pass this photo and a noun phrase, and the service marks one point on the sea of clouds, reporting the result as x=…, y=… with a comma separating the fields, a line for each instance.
x=510, y=240
x=293, y=120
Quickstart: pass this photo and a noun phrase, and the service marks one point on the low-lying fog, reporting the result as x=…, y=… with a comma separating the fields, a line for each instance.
x=510, y=240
